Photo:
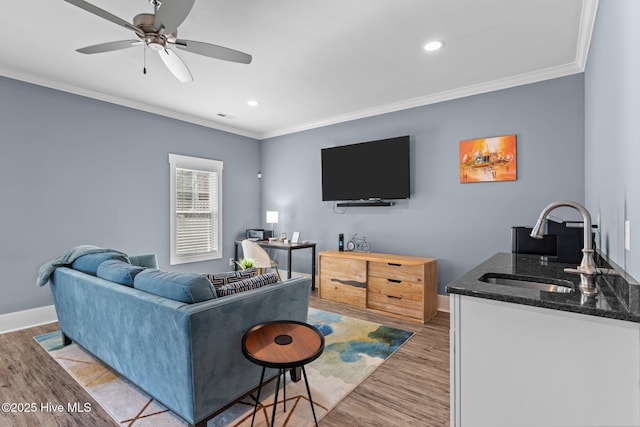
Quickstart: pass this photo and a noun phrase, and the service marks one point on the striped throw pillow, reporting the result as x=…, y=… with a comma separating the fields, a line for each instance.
x=219, y=279
x=246, y=284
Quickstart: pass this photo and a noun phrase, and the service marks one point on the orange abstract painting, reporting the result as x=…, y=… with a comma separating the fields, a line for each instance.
x=488, y=159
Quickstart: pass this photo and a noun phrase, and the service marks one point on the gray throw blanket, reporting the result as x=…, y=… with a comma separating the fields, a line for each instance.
x=66, y=259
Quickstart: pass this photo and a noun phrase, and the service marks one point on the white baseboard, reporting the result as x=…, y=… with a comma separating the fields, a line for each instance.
x=27, y=318
x=443, y=303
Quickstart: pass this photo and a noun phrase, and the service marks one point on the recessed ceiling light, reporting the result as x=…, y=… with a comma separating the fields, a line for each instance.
x=434, y=45
x=252, y=103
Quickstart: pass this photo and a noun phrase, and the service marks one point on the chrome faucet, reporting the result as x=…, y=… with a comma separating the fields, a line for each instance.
x=587, y=268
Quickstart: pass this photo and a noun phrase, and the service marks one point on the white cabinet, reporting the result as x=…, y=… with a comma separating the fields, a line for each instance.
x=516, y=365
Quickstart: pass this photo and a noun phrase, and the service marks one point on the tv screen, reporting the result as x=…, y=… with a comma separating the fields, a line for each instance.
x=367, y=171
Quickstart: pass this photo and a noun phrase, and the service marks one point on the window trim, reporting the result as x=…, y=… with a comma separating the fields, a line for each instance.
x=199, y=164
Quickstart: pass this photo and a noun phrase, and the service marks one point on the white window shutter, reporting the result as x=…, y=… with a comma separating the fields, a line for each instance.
x=195, y=209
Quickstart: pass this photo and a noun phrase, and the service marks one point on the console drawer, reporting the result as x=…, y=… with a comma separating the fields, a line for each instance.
x=397, y=271
x=397, y=288
x=334, y=290
x=344, y=268
x=395, y=304
x=343, y=280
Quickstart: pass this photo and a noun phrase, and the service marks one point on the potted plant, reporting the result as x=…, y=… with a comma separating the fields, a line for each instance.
x=246, y=263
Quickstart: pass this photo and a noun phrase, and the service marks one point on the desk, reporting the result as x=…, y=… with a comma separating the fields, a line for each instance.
x=286, y=247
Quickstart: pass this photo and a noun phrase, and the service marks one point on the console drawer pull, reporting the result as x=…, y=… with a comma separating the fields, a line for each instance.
x=394, y=281
x=393, y=264
x=393, y=296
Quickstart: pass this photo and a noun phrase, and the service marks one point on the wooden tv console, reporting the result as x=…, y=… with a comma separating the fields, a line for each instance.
x=395, y=285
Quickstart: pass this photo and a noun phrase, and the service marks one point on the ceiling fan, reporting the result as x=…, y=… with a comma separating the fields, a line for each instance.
x=159, y=31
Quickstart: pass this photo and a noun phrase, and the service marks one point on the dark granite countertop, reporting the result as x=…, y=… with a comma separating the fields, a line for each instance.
x=616, y=299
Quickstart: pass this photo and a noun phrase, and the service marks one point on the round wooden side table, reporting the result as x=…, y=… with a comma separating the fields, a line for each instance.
x=283, y=344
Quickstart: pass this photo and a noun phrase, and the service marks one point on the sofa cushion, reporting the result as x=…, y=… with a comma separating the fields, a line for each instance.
x=89, y=263
x=185, y=287
x=219, y=279
x=118, y=271
x=246, y=284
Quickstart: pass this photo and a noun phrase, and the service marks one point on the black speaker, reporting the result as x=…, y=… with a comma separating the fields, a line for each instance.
x=523, y=243
x=341, y=242
x=570, y=237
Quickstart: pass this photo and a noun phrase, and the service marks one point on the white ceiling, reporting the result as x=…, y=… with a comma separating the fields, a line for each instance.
x=314, y=62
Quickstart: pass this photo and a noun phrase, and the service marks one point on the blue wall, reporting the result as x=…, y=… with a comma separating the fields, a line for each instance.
x=79, y=171
x=612, y=105
x=459, y=224
x=75, y=170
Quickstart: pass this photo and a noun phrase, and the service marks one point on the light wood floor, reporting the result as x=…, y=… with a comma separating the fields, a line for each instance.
x=410, y=388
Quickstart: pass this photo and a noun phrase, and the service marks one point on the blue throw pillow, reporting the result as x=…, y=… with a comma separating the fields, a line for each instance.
x=89, y=263
x=118, y=271
x=146, y=260
x=185, y=287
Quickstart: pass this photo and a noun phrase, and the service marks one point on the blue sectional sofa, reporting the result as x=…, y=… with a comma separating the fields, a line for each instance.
x=186, y=355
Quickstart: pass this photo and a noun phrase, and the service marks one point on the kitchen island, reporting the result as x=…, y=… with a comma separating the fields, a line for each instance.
x=527, y=357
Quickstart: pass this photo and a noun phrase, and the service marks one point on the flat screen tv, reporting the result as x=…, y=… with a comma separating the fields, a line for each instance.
x=373, y=170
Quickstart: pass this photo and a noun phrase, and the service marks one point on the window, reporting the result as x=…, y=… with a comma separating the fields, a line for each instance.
x=196, y=223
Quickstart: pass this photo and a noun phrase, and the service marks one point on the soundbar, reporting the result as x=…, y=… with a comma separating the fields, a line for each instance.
x=364, y=203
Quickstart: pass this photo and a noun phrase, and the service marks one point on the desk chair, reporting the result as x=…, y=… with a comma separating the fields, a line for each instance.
x=260, y=256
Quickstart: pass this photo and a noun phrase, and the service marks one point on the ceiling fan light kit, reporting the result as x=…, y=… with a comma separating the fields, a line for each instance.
x=159, y=31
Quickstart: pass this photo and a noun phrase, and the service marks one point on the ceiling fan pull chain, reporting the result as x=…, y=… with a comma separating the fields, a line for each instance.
x=144, y=59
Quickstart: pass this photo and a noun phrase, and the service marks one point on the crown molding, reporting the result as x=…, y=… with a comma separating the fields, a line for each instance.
x=28, y=78
x=506, y=83
x=587, y=22
x=509, y=82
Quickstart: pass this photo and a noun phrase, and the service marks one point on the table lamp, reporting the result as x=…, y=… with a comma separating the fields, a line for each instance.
x=272, y=218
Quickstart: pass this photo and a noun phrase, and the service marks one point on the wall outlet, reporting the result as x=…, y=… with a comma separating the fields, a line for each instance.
x=627, y=235
x=231, y=262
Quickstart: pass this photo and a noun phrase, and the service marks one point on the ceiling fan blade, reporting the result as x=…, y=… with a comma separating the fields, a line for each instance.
x=110, y=46
x=213, y=51
x=172, y=13
x=175, y=65
x=105, y=15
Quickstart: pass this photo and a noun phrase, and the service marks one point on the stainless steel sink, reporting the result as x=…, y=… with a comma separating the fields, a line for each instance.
x=529, y=282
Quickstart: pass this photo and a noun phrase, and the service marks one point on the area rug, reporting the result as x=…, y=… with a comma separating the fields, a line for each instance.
x=354, y=348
